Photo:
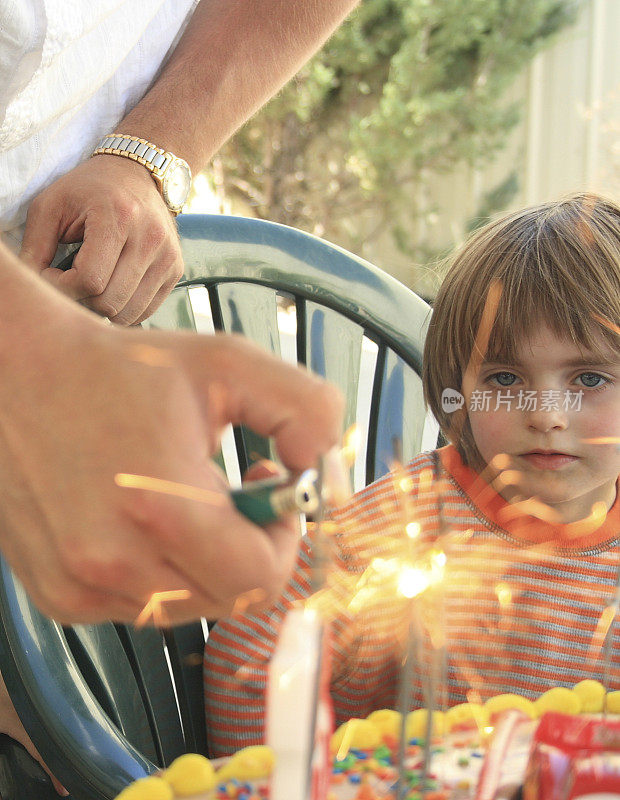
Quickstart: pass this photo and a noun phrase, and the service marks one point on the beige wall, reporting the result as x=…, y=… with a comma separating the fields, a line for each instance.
x=568, y=139
x=573, y=109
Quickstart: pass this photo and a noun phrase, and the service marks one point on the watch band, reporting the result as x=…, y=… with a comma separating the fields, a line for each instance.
x=154, y=158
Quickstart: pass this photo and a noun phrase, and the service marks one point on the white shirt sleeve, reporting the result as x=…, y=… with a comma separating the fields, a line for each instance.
x=70, y=71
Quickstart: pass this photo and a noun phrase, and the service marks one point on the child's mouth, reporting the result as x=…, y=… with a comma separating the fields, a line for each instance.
x=547, y=459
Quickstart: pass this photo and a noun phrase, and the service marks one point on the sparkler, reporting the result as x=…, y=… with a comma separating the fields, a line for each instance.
x=417, y=577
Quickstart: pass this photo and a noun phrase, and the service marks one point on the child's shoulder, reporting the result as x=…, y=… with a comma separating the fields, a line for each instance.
x=388, y=491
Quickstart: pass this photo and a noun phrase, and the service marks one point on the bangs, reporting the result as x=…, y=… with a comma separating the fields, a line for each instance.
x=551, y=275
x=520, y=314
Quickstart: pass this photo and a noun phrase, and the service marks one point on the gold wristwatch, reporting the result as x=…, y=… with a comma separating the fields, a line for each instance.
x=171, y=174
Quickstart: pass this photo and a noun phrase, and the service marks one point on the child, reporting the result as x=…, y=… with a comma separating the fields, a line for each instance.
x=522, y=371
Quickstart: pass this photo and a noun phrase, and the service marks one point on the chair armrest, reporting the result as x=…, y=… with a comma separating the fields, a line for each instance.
x=65, y=722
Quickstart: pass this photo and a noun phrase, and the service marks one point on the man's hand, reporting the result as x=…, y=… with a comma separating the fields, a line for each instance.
x=82, y=404
x=131, y=257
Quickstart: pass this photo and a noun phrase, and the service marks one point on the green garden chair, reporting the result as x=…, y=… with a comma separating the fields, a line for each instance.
x=106, y=704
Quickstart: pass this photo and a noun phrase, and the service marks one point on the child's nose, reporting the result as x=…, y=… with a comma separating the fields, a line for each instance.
x=546, y=420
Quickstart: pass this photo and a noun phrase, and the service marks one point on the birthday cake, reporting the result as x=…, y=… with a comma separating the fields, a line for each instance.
x=477, y=751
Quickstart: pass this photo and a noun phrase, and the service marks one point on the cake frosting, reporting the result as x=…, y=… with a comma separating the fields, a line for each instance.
x=365, y=753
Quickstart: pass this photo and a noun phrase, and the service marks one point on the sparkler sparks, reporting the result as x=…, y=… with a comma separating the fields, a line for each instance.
x=184, y=490
x=152, y=356
x=155, y=607
x=413, y=529
x=351, y=443
x=601, y=631
x=412, y=581
x=607, y=323
x=504, y=594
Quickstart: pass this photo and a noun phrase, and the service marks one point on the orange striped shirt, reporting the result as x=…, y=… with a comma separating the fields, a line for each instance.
x=519, y=606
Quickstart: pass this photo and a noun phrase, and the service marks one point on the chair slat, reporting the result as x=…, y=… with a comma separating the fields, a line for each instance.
x=103, y=662
x=250, y=310
x=175, y=314
x=185, y=645
x=145, y=650
x=333, y=350
x=397, y=415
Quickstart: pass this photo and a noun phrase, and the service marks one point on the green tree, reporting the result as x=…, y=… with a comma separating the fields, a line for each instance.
x=405, y=90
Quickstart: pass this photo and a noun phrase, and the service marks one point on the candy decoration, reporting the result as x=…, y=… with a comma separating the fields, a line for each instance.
x=592, y=695
x=151, y=788
x=506, y=702
x=559, y=699
x=190, y=774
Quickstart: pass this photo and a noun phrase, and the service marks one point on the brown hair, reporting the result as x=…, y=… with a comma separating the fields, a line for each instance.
x=558, y=262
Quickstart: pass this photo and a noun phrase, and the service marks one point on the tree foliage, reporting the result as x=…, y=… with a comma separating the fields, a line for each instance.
x=405, y=90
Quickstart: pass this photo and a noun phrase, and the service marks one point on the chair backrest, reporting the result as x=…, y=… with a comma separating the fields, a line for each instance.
x=107, y=704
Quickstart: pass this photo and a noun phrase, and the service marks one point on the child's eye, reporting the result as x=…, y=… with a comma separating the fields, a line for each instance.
x=503, y=378
x=591, y=380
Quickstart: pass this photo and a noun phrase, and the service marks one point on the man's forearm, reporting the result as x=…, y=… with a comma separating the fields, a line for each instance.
x=234, y=55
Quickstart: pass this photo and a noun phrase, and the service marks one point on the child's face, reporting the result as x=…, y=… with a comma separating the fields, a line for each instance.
x=542, y=412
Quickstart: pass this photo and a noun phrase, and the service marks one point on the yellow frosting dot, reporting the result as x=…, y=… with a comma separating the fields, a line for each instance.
x=190, y=774
x=592, y=694
x=504, y=702
x=359, y=733
x=613, y=702
x=151, y=788
x=248, y=764
x=417, y=720
x=558, y=699
x=466, y=715
x=387, y=721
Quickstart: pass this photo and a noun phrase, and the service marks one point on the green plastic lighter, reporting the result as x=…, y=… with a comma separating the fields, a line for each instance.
x=265, y=501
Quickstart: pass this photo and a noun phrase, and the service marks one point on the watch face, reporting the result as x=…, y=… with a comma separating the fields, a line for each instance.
x=176, y=184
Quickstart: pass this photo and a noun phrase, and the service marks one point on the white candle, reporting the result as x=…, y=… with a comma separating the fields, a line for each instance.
x=292, y=698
